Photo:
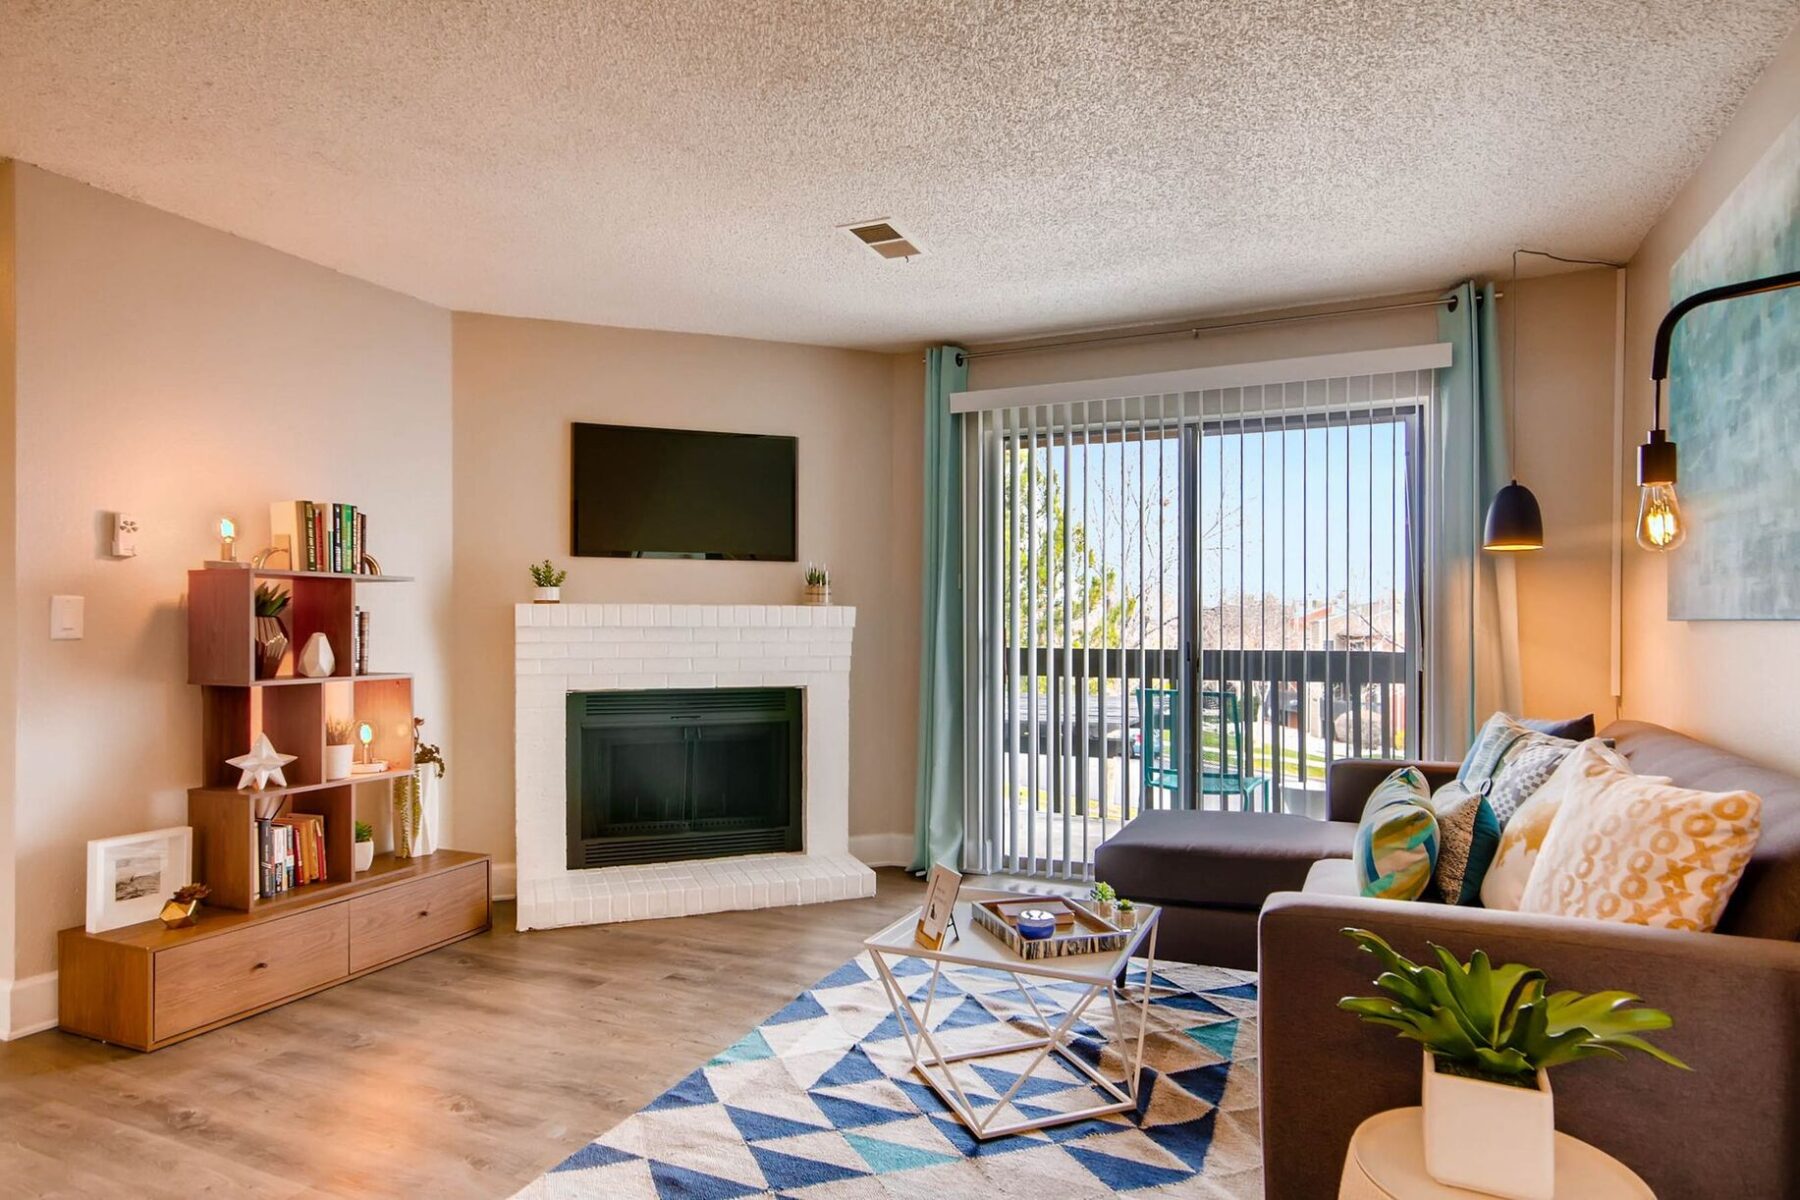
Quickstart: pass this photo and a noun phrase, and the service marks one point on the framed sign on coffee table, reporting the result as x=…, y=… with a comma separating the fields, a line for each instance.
x=1097, y=975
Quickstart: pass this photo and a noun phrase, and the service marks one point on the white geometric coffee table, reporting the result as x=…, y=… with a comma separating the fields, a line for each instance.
x=1098, y=973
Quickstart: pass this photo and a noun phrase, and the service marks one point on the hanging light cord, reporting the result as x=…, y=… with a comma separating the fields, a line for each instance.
x=1512, y=414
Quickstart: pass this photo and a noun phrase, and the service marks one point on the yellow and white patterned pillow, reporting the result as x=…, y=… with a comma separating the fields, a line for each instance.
x=1523, y=835
x=1628, y=848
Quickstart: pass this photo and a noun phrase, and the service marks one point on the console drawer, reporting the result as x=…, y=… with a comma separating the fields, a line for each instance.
x=400, y=920
x=224, y=976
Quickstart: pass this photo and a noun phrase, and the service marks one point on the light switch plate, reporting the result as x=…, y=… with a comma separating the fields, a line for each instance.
x=67, y=618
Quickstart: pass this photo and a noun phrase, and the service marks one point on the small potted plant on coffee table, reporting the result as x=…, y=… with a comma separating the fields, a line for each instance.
x=1491, y=1034
x=364, y=856
x=1125, y=915
x=1102, y=897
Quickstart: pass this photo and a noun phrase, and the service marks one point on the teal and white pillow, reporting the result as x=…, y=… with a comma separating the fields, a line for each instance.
x=1397, y=838
x=1468, y=837
x=1509, y=761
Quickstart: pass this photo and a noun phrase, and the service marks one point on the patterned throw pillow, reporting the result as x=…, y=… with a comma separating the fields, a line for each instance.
x=1468, y=835
x=1397, y=838
x=1523, y=835
x=1514, y=760
x=1642, y=851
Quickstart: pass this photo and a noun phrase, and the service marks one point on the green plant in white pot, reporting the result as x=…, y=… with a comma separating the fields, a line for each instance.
x=363, y=856
x=547, y=580
x=1490, y=1035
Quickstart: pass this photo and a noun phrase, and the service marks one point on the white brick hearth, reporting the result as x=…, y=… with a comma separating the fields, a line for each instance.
x=564, y=648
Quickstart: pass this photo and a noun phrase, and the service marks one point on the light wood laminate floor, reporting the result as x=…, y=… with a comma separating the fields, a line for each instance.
x=463, y=1073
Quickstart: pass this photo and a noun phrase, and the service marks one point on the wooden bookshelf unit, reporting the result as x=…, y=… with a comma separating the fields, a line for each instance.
x=145, y=986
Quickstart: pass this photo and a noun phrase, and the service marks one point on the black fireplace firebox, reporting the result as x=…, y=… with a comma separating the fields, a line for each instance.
x=668, y=775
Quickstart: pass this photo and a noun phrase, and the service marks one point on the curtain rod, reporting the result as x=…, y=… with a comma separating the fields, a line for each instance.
x=1197, y=329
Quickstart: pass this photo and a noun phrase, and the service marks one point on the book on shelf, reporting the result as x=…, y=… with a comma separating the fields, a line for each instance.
x=290, y=851
x=320, y=535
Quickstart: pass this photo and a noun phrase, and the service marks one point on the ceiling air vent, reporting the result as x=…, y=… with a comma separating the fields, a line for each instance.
x=883, y=239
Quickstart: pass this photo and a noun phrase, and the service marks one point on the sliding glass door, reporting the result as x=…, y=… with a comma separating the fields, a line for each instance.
x=1189, y=600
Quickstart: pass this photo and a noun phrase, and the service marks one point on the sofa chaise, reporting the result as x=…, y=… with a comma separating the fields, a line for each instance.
x=1730, y=1127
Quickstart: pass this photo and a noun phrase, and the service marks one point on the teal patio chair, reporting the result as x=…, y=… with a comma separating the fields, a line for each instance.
x=1224, y=747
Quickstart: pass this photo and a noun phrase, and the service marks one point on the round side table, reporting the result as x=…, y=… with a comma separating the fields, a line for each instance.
x=1386, y=1161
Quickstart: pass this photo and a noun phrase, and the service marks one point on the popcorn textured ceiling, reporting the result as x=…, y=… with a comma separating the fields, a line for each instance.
x=686, y=164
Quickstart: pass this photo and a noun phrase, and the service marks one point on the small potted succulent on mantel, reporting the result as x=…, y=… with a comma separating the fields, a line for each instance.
x=549, y=581
x=818, y=585
x=1491, y=1034
x=363, y=856
x=340, y=747
x=1103, y=898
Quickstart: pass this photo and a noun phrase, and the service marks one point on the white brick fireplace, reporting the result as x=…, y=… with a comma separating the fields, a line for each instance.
x=564, y=648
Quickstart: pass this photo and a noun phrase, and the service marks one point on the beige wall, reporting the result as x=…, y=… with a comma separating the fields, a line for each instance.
x=1564, y=432
x=1736, y=684
x=1565, y=389
x=9, y=693
x=519, y=384
x=178, y=373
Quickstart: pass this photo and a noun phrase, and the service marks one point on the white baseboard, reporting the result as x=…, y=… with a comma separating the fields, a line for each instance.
x=883, y=849
x=504, y=879
x=27, y=1006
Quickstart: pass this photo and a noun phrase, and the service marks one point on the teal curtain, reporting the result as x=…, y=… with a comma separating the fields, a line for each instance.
x=938, y=836
x=1472, y=653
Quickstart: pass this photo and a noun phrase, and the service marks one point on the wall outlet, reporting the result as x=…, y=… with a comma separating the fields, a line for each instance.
x=124, y=535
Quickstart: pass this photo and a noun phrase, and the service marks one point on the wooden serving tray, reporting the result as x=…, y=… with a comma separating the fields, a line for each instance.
x=1078, y=931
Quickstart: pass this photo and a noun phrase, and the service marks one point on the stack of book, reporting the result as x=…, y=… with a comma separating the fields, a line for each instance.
x=320, y=536
x=291, y=851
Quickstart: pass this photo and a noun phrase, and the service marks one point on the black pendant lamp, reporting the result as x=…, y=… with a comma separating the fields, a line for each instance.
x=1514, y=521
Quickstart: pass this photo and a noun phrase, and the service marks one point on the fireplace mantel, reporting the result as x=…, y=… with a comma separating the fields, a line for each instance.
x=565, y=648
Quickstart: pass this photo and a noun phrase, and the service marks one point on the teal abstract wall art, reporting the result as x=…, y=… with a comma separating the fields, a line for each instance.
x=1734, y=407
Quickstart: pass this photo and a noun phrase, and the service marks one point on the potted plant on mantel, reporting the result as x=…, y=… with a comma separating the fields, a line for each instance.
x=1490, y=1035
x=549, y=581
x=818, y=585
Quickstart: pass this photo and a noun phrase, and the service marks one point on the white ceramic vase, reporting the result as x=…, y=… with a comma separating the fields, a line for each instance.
x=364, y=855
x=546, y=595
x=338, y=760
x=1489, y=1137
x=316, y=659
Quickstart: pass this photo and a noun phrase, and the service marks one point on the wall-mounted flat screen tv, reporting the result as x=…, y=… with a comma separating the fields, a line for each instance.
x=682, y=493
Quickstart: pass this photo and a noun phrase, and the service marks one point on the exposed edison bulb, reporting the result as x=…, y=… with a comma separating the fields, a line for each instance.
x=1660, y=525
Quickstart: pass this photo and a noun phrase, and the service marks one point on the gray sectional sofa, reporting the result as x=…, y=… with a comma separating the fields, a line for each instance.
x=1730, y=1127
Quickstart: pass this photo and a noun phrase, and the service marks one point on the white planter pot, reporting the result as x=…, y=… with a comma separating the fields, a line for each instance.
x=338, y=760
x=546, y=595
x=1489, y=1137
x=364, y=855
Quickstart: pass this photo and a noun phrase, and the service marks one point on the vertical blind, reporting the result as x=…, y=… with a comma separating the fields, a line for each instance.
x=1185, y=599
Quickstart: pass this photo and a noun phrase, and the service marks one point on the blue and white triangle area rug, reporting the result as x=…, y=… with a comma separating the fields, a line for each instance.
x=820, y=1102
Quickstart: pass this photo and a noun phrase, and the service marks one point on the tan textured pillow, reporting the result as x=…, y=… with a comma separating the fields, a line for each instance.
x=1627, y=848
x=1523, y=834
